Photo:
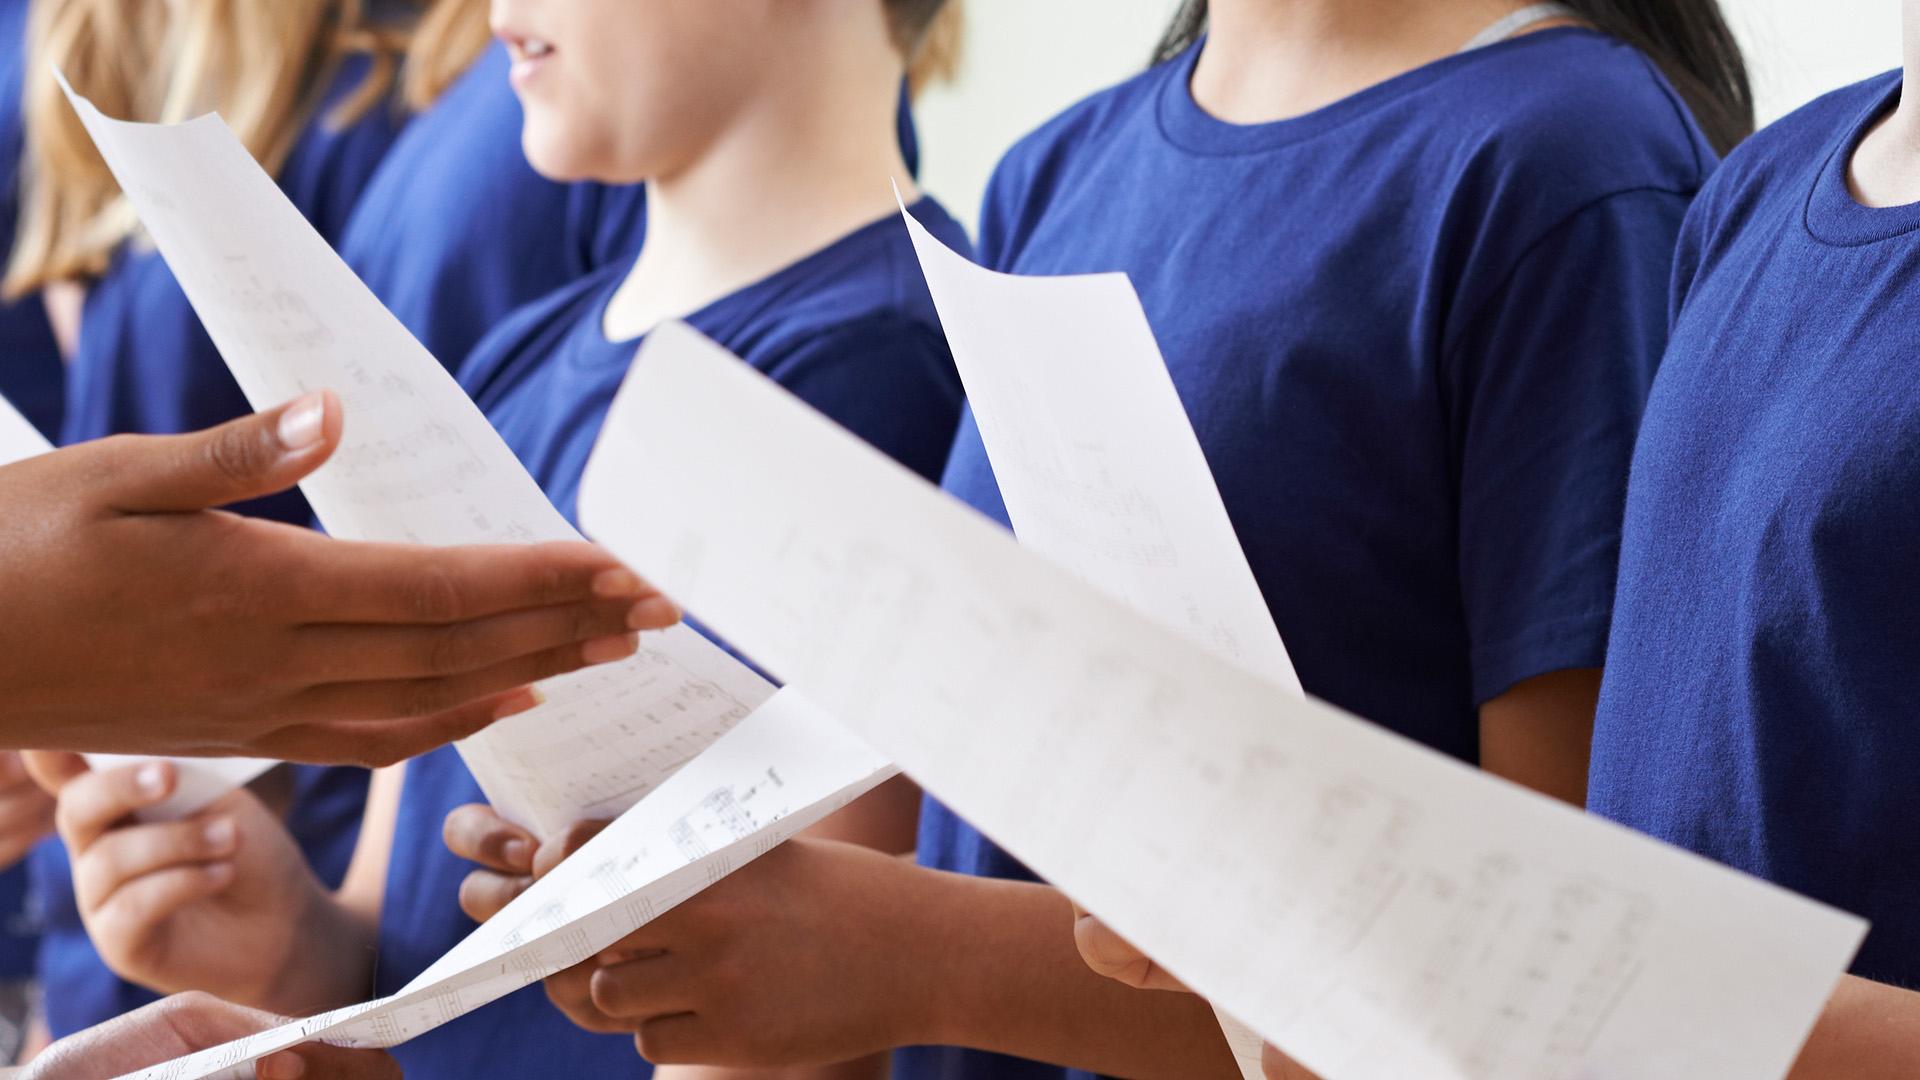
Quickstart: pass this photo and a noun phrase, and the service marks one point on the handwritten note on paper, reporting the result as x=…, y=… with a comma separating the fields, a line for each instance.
x=1097, y=462
x=198, y=781
x=1374, y=908
x=418, y=462
x=779, y=771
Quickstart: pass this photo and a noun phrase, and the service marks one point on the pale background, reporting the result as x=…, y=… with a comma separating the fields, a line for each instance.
x=1025, y=60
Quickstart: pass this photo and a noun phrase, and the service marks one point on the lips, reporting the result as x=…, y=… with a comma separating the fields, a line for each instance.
x=529, y=54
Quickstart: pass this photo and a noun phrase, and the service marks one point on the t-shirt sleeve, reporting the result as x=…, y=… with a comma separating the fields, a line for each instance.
x=1546, y=385
x=888, y=378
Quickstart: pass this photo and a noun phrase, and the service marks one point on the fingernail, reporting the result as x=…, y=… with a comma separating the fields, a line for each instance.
x=608, y=649
x=304, y=422
x=525, y=700
x=617, y=583
x=518, y=854
x=653, y=613
x=219, y=835
x=282, y=1066
x=151, y=779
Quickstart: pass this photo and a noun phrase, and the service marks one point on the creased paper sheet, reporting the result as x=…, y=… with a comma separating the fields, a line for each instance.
x=1098, y=464
x=782, y=769
x=199, y=781
x=1374, y=908
x=418, y=462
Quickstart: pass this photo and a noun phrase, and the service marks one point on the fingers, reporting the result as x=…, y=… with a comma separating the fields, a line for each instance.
x=405, y=584
x=485, y=893
x=390, y=699
x=26, y=814
x=1108, y=954
x=133, y=913
x=564, y=843
x=377, y=744
x=318, y=1061
x=126, y=854
x=369, y=652
x=51, y=769
x=571, y=991
x=679, y=1039
x=93, y=802
x=642, y=988
x=478, y=834
x=244, y=459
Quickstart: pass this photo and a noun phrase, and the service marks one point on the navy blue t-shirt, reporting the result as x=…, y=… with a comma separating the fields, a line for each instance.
x=1761, y=704
x=1414, y=331
x=30, y=366
x=145, y=364
x=851, y=329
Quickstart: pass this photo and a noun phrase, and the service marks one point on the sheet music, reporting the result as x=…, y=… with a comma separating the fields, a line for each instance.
x=1374, y=908
x=782, y=769
x=199, y=781
x=418, y=462
x=1098, y=463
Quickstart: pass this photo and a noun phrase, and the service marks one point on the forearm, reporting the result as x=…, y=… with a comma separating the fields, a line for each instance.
x=1869, y=1031
x=1004, y=975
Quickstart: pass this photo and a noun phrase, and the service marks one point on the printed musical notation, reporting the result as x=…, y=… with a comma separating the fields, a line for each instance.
x=418, y=463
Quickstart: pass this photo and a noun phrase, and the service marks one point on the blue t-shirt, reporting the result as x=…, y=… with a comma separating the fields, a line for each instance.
x=1762, y=691
x=1414, y=331
x=30, y=366
x=851, y=330
x=145, y=364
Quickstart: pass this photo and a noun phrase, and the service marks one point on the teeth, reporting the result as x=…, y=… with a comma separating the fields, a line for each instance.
x=534, y=48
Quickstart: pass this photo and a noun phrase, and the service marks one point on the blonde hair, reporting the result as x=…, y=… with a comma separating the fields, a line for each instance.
x=933, y=52
x=452, y=35
x=260, y=63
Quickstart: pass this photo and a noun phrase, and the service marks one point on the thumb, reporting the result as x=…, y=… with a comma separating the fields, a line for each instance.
x=243, y=459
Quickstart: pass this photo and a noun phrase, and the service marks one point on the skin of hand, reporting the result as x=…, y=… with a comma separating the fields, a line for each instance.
x=141, y=620
x=26, y=811
x=185, y=1023
x=222, y=901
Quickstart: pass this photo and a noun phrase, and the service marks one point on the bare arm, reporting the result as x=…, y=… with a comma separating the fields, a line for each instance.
x=1540, y=733
x=1869, y=1031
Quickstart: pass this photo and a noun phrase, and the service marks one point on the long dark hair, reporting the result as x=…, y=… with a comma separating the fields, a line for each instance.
x=1688, y=39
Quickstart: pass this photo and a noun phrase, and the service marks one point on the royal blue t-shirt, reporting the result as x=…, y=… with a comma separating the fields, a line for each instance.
x=851, y=329
x=1414, y=331
x=1763, y=685
x=30, y=366
x=145, y=364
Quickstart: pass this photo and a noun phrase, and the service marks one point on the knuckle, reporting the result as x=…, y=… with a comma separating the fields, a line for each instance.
x=434, y=596
x=452, y=650
x=237, y=454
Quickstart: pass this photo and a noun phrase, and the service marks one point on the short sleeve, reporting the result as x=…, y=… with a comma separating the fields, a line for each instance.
x=888, y=378
x=1546, y=385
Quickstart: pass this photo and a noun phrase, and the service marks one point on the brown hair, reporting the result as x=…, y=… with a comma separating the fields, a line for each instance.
x=260, y=64
x=1689, y=41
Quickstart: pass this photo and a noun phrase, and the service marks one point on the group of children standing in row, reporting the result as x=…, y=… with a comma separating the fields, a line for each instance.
x=1553, y=441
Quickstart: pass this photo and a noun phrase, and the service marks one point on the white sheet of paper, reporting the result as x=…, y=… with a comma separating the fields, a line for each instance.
x=199, y=780
x=1098, y=463
x=779, y=771
x=418, y=462
x=1374, y=908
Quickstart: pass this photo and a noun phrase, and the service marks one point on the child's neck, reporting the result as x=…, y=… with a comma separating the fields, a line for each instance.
x=1274, y=59
x=1885, y=170
x=784, y=181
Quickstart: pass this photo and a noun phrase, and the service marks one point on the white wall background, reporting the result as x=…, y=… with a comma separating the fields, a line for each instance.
x=1026, y=60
